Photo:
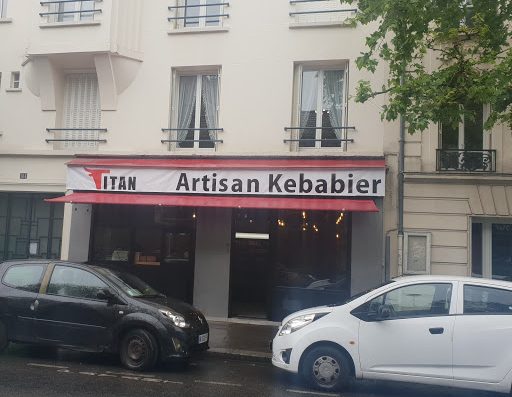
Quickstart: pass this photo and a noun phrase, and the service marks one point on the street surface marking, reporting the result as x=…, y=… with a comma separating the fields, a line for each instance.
x=128, y=374
x=316, y=393
x=88, y=373
x=46, y=366
x=218, y=383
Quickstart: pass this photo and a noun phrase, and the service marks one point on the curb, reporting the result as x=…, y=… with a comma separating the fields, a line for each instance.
x=242, y=355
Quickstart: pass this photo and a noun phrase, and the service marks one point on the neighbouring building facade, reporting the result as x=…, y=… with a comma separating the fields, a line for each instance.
x=214, y=149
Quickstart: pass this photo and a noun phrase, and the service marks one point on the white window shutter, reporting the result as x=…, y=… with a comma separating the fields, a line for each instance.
x=81, y=109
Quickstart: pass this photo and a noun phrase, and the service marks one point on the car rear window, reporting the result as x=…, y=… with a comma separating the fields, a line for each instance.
x=487, y=300
x=24, y=277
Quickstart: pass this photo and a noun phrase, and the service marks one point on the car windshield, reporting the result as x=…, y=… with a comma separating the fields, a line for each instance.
x=130, y=284
x=354, y=297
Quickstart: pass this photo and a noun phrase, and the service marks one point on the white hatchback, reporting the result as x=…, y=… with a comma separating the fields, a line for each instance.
x=448, y=331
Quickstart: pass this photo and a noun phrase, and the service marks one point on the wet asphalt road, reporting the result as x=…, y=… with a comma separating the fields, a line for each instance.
x=35, y=372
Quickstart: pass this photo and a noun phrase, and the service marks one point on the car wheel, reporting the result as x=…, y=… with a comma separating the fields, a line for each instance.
x=326, y=368
x=139, y=350
x=4, y=342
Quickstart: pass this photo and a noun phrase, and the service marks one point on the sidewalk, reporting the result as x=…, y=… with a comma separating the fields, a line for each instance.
x=241, y=338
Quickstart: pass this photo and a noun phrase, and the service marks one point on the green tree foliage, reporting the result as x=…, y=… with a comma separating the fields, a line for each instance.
x=471, y=41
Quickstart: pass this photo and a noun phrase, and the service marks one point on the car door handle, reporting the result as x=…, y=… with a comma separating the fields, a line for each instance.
x=436, y=331
x=34, y=305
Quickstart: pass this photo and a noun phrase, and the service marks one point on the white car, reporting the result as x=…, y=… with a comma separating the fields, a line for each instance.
x=448, y=331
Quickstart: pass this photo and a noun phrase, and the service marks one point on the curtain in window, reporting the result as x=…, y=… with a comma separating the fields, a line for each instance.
x=332, y=100
x=3, y=8
x=308, y=101
x=186, y=105
x=209, y=93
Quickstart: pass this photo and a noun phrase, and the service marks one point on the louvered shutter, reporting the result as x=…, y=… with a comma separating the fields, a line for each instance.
x=81, y=109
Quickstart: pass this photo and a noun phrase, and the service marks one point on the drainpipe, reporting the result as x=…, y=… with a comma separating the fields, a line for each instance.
x=401, y=190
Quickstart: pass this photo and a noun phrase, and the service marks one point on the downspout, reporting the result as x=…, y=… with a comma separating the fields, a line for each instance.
x=401, y=189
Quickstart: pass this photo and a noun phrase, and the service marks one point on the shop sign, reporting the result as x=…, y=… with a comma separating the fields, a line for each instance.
x=314, y=182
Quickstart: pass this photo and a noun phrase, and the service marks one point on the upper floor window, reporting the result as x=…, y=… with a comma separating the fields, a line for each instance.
x=196, y=106
x=3, y=8
x=315, y=12
x=15, y=80
x=322, y=108
x=71, y=11
x=198, y=13
x=81, y=115
x=465, y=147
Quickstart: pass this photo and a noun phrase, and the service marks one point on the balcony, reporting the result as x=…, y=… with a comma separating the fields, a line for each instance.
x=198, y=16
x=459, y=160
x=76, y=138
x=192, y=138
x=318, y=137
x=306, y=13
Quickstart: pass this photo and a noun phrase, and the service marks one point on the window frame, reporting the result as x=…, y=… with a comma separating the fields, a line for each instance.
x=44, y=267
x=177, y=73
x=428, y=247
x=75, y=17
x=15, y=83
x=70, y=296
x=3, y=8
x=322, y=67
x=202, y=15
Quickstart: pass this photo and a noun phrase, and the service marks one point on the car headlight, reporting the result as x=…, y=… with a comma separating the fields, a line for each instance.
x=299, y=322
x=178, y=320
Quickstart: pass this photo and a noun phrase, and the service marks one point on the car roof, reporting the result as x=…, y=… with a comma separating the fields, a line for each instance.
x=440, y=278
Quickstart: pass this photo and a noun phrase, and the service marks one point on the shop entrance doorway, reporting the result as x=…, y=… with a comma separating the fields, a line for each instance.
x=250, y=264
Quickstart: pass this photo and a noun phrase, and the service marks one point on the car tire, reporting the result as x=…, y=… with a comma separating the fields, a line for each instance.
x=326, y=368
x=4, y=342
x=139, y=350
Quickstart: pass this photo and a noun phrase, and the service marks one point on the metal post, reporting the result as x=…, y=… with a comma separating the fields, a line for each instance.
x=401, y=189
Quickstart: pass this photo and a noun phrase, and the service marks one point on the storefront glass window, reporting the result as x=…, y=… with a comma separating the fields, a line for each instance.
x=476, y=253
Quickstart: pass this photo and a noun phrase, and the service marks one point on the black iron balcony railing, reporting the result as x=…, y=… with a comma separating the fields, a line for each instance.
x=70, y=10
x=75, y=134
x=319, y=11
x=208, y=14
x=466, y=160
x=204, y=139
x=307, y=141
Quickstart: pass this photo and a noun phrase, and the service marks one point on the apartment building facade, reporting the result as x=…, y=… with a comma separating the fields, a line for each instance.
x=213, y=148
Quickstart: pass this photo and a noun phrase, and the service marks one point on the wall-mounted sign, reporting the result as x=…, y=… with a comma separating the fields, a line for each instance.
x=281, y=182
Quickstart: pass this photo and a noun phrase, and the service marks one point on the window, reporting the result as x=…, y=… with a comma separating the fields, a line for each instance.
x=197, y=111
x=74, y=282
x=486, y=300
x=491, y=249
x=73, y=11
x=82, y=112
x=465, y=147
x=3, y=8
x=15, y=80
x=420, y=300
x=24, y=277
x=202, y=13
x=322, y=107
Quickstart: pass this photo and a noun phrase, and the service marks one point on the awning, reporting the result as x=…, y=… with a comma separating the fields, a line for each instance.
x=292, y=203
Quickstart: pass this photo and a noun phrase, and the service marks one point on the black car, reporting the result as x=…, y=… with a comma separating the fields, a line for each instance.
x=91, y=308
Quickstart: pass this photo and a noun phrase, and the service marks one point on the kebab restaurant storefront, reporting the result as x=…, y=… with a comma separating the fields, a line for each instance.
x=237, y=237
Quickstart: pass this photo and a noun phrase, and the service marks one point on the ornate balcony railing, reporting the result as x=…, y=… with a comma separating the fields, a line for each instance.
x=460, y=160
x=203, y=138
x=306, y=12
x=307, y=137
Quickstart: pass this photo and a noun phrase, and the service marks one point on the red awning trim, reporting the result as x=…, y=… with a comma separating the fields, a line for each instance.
x=201, y=163
x=292, y=203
